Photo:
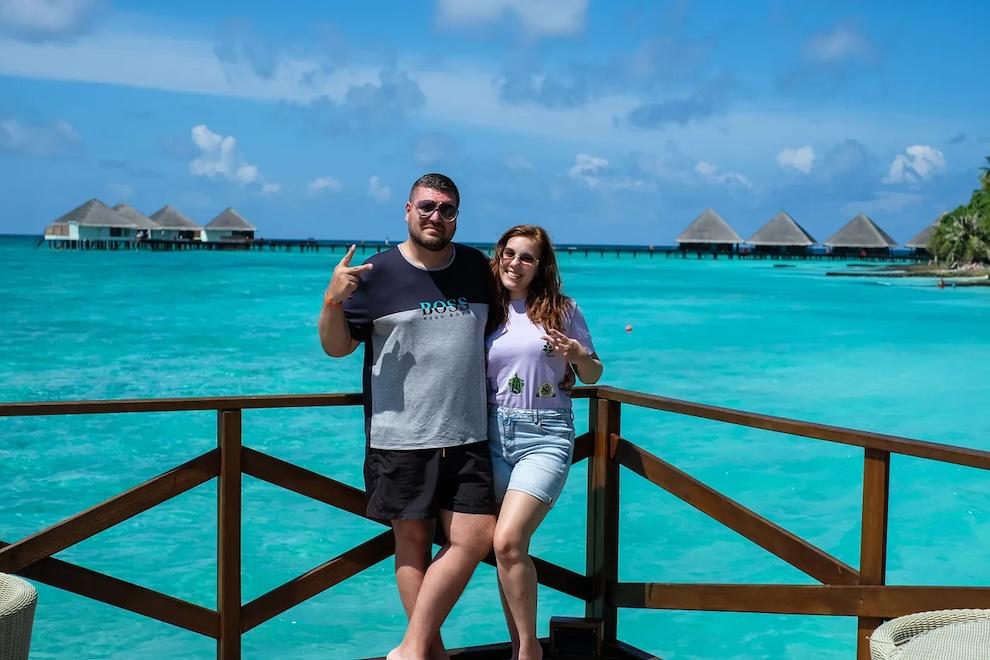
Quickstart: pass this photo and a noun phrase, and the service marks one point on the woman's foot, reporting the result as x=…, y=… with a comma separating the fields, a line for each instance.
x=435, y=652
x=531, y=650
x=397, y=654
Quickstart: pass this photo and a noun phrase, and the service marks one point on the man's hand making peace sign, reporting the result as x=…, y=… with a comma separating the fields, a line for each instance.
x=344, y=280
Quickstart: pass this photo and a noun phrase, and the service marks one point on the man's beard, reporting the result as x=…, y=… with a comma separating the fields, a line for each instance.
x=433, y=244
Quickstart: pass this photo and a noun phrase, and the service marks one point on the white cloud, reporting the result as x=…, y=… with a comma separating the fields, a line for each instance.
x=705, y=168
x=217, y=153
x=247, y=174
x=801, y=159
x=596, y=173
x=324, y=183
x=218, y=157
x=838, y=44
x=379, y=192
x=518, y=163
x=712, y=174
x=537, y=17
x=918, y=163
x=36, y=139
x=39, y=20
x=588, y=169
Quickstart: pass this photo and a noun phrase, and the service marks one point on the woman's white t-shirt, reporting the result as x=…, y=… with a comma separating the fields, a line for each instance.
x=522, y=371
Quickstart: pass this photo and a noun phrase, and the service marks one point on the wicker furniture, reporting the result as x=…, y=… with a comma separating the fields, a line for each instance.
x=938, y=635
x=17, y=602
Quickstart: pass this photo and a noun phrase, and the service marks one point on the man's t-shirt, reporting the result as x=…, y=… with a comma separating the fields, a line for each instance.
x=424, y=353
x=522, y=372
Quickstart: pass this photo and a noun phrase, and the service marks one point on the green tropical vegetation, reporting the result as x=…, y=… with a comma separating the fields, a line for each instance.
x=962, y=236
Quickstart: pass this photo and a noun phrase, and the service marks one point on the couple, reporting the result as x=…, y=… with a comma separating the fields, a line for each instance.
x=463, y=411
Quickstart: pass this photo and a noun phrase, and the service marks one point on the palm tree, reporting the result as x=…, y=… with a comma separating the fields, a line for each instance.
x=960, y=237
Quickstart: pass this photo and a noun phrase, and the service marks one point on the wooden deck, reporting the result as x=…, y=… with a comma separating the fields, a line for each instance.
x=613, y=651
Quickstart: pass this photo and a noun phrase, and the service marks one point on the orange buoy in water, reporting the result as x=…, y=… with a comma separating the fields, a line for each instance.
x=628, y=328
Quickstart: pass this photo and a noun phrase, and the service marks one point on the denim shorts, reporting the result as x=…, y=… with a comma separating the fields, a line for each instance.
x=531, y=451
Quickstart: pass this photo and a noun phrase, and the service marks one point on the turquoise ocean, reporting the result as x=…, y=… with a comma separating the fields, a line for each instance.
x=895, y=356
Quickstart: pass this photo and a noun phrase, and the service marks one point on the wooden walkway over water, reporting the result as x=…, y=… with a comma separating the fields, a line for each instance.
x=373, y=247
x=859, y=592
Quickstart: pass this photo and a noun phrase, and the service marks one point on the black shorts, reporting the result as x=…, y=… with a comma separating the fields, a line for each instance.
x=415, y=484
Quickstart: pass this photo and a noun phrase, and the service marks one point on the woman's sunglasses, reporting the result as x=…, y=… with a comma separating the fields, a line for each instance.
x=525, y=258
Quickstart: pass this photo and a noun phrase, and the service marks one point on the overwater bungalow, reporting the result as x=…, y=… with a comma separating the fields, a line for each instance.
x=861, y=237
x=709, y=233
x=92, y=221
x=144, y=224
x=173, y=225
x=919, y=244
x=782, y=235
x=228, y=226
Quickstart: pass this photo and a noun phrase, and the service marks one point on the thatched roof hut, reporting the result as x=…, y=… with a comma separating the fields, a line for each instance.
x=708, y=232
x=95, y=213
x=141, y=221
x=229, y=219
x=924, y=237
x=861, y=235
x=782, y=231
x=169, y=217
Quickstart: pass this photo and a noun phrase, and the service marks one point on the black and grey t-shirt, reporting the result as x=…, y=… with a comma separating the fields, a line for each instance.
x=424, y=350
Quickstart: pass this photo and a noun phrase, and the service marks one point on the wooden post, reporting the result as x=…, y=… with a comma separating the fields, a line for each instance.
x=229, y=535
x=602, y=555
x=873, y=545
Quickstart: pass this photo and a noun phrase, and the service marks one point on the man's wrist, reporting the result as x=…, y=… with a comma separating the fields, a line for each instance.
x=328, y=301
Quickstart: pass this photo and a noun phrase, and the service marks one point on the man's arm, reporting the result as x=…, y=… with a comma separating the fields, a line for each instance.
x=335, y=334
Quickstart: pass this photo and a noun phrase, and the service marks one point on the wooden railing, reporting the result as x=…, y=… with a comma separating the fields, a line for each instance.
x=845, y=591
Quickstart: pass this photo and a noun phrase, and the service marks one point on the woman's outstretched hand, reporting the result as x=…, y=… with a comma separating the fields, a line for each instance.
x=564, y=347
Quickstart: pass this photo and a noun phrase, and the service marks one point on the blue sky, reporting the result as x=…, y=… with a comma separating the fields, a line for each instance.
x=613, y=122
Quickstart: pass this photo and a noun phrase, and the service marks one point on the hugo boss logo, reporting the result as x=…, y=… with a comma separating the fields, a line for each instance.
x=437, y=309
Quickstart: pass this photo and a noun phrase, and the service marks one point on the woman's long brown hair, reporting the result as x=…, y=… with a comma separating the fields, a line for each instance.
x=546, y=305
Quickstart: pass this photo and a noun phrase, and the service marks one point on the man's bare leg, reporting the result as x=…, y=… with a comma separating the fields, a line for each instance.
x=413, y=545
x=469, y=540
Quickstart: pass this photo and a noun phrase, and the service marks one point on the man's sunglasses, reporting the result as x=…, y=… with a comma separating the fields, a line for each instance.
x=426, y=207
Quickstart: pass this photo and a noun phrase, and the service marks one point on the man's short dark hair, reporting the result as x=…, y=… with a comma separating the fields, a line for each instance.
x=435, y=181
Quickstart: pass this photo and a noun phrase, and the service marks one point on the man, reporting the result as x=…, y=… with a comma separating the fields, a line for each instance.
x=420, y=309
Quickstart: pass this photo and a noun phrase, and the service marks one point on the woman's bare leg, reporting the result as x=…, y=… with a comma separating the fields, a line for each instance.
x=519, y=517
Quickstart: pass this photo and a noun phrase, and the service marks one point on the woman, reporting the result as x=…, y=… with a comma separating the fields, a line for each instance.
x=537, y=332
